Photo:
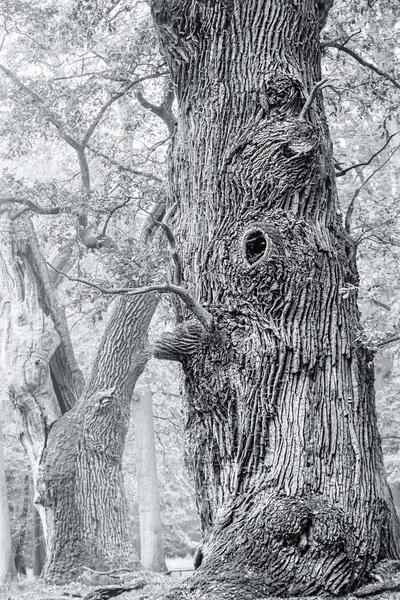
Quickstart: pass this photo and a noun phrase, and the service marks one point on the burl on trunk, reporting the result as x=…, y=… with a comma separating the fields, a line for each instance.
x=280, y=415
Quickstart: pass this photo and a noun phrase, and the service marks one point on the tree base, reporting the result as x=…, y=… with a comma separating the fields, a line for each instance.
x=251, y=587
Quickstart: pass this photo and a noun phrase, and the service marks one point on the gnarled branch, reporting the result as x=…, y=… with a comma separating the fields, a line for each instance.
x=29, y=205
x=164, y=110
x=205, y=318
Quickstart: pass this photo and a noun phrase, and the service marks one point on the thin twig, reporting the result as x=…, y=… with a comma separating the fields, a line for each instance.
x=350, y=209
x=395, y=337
x=124, y=167
x=342, y=172
x=113, y=210
x=363, y=62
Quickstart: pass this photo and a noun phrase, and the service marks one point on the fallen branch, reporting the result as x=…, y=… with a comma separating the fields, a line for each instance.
x=112, y=591
x=121, y=570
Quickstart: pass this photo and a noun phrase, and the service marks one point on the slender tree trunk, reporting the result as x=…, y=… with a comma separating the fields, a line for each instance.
x=23, y=525
x=39, y=548
x=151, y=534
x=280, y=412
x=7, y=566
x=81, y=478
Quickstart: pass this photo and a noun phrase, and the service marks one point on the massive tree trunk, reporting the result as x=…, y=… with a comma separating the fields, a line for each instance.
x=280, y=414
x=151, y=535
x=81, y=480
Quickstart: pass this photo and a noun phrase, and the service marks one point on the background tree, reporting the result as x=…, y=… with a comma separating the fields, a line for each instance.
x=80, y=495
x=151, y=535
x=362, y=106
x=7, y=566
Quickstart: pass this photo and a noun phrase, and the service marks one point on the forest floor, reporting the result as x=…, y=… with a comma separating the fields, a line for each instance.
x=36, y=589
x=150, y=586
x=24, y=589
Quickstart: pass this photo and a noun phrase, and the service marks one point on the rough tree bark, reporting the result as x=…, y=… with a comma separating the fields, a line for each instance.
x=81, y=479
x=29, y=338
x=151, y=535
x=280, y=413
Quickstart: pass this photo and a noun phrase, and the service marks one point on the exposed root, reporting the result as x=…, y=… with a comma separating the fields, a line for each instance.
x=377, y=588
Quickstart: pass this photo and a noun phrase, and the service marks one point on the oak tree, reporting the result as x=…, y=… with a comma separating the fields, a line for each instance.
x=280, y=410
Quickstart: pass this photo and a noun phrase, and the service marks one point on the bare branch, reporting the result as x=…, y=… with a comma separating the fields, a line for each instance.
x=395, y=337
x=164, y=110
x=50, y=114
x=113, y=210
x=317, y=87
x=195, y=307
x=114, y=162
x=363, y=62
x=29, y=205
x=80, y=75
x=342, y=172
x=381, y=304
x=114, y=98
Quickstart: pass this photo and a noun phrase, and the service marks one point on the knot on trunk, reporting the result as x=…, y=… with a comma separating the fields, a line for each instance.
x=184, y=341
x=279, y=91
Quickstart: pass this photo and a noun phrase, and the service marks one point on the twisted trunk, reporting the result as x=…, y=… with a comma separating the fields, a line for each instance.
x=280, y=414
x=32, y=326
